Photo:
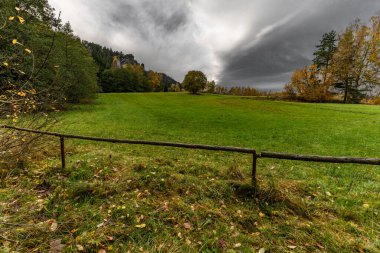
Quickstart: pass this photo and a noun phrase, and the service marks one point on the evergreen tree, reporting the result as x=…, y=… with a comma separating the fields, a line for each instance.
x=323, y=57
x=325, y=50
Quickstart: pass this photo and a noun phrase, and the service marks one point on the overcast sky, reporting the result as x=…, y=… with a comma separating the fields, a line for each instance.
x=236, y=42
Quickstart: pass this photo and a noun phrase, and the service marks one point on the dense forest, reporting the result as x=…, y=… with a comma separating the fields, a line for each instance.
x=120, y=72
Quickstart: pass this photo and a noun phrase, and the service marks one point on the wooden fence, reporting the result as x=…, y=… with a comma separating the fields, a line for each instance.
x=252, y=152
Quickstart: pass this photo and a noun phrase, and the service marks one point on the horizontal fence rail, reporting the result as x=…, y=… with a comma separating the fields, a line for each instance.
x=139, y=142
x=255, y=155
x=322, y=159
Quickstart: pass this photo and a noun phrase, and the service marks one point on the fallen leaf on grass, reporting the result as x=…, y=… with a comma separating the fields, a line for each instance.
x=102, y=251
x=187, y=225
x=320, y=246
x=56, y=246
x=140, y=226
x=237, y=245
x=80, y=247
x=53, y=226
x=292, y=246
x=160, y=246
x=256, y=234
x=222, y=244
x=262, y=250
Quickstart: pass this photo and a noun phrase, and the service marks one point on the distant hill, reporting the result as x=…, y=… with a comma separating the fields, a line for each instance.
x=104, y=57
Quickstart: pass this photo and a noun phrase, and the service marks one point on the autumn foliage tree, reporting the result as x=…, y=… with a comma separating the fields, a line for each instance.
x=306, y=85
x=195, y=81
x=349, y=69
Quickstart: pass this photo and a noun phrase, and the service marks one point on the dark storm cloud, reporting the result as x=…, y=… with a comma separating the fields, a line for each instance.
x=240, y=42
x=269, y=63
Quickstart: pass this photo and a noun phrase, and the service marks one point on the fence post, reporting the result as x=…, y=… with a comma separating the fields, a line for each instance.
x=63, y=161
x=254, y=165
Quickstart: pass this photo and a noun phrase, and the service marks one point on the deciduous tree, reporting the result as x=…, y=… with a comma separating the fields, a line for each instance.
x=352, y=70
x=306, y=86
x=195, y=81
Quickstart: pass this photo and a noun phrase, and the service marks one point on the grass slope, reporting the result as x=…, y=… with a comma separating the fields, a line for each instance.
x=124, y=198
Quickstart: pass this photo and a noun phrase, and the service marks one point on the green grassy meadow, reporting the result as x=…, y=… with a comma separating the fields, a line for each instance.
x=129, y=198
x=331, y=129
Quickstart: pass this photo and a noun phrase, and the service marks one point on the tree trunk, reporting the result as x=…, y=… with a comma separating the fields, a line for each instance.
x=345, y=92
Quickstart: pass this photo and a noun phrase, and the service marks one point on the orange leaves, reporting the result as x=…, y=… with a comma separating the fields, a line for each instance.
x=305, y=85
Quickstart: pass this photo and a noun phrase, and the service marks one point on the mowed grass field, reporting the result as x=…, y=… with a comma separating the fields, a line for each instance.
x=331, y=129
x=121, y=198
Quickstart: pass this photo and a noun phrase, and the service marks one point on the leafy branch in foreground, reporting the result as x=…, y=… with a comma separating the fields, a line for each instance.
x=43, y=67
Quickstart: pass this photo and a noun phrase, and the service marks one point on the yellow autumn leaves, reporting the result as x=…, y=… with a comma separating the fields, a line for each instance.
x=20, y=19
x=27, y=50
x=21, y=94
x=15, y=41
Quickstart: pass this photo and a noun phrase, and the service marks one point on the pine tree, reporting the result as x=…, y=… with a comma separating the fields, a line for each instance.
x=323, y=58
x=325, y=50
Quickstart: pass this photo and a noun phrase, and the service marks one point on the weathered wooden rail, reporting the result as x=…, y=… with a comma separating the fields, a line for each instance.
x=255, y=155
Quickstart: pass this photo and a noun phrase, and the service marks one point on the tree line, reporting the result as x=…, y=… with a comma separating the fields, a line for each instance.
x=120, y=72
x=346, y=67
